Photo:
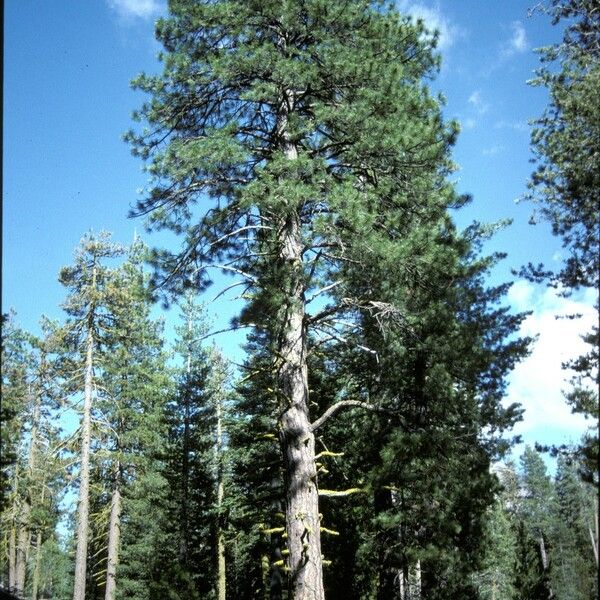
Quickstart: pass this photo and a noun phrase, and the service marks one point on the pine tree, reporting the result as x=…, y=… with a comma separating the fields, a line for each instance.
x=574, y=572
x=15, y=361
x=130, y=422
x=535, y=513
x=89, y=306
x=565, y=184
x=308, y=122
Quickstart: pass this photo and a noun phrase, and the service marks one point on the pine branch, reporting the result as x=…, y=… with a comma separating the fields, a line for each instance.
x=335, y=408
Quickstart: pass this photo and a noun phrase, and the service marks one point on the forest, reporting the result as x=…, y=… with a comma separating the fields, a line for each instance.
x=361, y=446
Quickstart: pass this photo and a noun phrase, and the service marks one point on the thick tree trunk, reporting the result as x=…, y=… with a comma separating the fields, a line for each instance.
x=84, y=486
x=297, y=439
x=114, y=534
x=302, y=497
x=35, y=582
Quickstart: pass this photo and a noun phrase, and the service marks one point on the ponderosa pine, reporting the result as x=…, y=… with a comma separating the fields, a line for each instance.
x=302, y=121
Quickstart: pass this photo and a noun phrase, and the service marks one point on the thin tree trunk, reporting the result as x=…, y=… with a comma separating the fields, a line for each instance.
x=222, y=577
x=35, y=582
x=417, y=594
x=12, y=555
x=114, y=534
x=24, y=518
x=544, y=557
x=185, y=465
x=12, y=538
x=84, y=487
x=297, y=439
x=386, y=585
x=22, y=547
x=593, y=539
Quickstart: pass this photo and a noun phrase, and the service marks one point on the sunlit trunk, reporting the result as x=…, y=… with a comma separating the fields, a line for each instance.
x=84, y=475
x=114, y=535
x=298, y=442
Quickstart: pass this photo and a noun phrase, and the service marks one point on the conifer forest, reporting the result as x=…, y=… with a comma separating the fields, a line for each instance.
x=360, y=448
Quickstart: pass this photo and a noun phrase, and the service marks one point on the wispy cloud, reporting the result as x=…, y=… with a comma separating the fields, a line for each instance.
x=434, y=19
x=514, y=125
x=469, y=123
x=136, y=9
x=476, y=100
x=493, y=150
x=539, y=381
x=518, y=43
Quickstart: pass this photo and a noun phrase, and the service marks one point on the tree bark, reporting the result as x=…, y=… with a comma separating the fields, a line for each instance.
x=297, y=439
x=302, y=498
x=222, y=576
x=84, y=486
x=544, y=559
x=22, y=547
x=114, y=535
x=35, y=582
x=12, y=539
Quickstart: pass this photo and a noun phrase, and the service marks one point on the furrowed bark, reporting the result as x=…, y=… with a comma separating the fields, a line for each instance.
x=297, y=438
x=84, y=486
x=114, y=535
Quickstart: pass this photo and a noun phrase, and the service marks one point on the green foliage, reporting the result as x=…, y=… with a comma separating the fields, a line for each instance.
x=566, y=182
x=14, y=394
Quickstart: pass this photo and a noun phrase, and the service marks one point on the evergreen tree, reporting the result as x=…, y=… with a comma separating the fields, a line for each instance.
x=535, y=513
x=15, y=360
x=310, y=127
x=89, y=306
x=574, y=575
x=566, y=183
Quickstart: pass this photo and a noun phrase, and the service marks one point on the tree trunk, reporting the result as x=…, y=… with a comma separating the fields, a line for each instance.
x=35, y=582
x=386, y=585
x=222, y=577
x=302, y=498
x=185, y=462
x=594, y=539
x=22, y=548
x=297, y=439
x=84, y=486
x=544, y=558
x=12, y=539
x=114, y=534
x=24, y=517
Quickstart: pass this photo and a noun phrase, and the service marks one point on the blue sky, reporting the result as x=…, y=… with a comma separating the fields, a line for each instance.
x=67, y=102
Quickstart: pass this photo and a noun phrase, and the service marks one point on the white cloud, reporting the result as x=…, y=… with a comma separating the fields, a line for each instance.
x=469, y=124
x=497, y=149
x=518, y=43
x=514, y=125
x=136, y=9
x=539, y=381
x=476, y=100
x=434, y=19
